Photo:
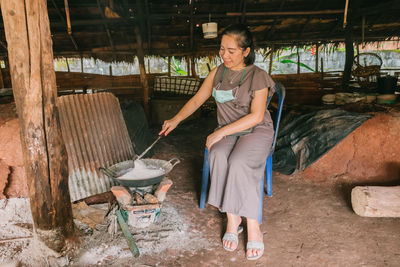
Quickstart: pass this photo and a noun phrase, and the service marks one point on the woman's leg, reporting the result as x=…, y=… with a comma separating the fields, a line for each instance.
x=218, y=158
x=253, y=234
x=232, y=227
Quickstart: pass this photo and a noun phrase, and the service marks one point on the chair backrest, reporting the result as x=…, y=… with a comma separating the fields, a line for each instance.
x=281, y=91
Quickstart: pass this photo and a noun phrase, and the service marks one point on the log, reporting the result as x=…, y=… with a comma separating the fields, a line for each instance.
x=376, y=201
x=30, y=52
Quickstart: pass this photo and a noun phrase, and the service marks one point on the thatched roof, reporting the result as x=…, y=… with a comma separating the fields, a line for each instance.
x=105, y=28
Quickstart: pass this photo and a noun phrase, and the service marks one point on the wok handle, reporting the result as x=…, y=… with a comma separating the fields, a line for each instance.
x=176, y=162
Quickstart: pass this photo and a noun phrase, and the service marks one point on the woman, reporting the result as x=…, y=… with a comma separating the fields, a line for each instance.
x=238, y=148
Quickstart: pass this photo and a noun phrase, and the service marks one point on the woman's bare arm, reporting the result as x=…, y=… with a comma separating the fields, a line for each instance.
x=192, y=105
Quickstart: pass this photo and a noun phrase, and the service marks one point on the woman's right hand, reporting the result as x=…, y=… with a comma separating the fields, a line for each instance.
x=168, y=126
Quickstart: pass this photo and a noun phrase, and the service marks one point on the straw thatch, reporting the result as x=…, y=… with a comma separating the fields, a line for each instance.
x=104, y=29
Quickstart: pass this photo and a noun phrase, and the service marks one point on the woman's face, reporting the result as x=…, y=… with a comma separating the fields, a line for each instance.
x=231, y=53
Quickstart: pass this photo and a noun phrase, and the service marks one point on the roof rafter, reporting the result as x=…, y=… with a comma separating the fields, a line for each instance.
x=106, y=26
x=317, y=6
x=272, y=29
x=69, y=31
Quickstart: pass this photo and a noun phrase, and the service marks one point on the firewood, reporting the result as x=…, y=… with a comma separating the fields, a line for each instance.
x=138, y=199
x=149, y=198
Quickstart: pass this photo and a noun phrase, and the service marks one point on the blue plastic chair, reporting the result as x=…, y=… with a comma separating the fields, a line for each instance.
x=280, y=90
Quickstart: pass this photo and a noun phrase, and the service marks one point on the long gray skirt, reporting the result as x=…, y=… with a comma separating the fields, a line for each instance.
x=237, y=165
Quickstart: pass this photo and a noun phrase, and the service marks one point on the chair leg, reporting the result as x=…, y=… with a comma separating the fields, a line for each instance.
x=269, y=176
x=260, y=212
x=204, y=179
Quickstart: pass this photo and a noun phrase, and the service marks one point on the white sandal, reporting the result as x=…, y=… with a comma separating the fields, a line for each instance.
x=257, y=245
x=231, y=237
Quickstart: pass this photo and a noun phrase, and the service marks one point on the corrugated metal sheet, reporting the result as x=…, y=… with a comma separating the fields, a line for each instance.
x=95, y=135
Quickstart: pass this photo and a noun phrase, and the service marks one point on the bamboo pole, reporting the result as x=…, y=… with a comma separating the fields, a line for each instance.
x=35, y=93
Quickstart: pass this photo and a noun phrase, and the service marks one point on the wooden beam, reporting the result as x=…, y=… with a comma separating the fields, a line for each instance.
x=272, y=29
x=69, y=31
x=376, y=201
x=191, y=29
x=243, y=13
x=35, y=93
x=148, y=26
x=106, y=26
x=288, y=13
x=300, y=33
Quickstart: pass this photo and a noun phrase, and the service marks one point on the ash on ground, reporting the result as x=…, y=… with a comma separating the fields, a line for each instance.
x=170, y=232
x=97, y=247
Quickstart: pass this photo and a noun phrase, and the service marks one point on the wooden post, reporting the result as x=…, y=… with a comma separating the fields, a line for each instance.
x=66, y=60
x=188, y=65
x=143, y=78
x=193, y=67
x=376, y=201
x=27, y=30
x=298, y=59
x=1, y=78
x=322, y=68
x=169, y=66
x=316, y=57
x=349, y=56
x=81, y=64
x=271, y=57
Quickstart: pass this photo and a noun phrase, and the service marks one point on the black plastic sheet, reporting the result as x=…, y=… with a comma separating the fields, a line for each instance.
x=138, y=128
x=304, y=139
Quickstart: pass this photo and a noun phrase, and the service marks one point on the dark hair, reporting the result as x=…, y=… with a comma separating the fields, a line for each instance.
x=244, y=39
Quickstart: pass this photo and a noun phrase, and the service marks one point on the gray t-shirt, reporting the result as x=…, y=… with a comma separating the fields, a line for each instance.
x=254, y=79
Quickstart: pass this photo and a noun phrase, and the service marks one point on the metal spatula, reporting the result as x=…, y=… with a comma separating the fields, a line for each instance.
x=147, y=149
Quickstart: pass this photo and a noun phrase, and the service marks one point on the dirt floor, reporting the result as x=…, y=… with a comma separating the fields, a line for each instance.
x=304, y=224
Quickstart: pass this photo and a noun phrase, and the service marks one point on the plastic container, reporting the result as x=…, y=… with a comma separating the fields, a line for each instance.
x=386, y=99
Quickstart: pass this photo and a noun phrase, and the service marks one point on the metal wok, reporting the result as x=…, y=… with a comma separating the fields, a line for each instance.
x=121, y=168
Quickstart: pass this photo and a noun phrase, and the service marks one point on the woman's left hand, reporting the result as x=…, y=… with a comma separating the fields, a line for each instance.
x=213, y=138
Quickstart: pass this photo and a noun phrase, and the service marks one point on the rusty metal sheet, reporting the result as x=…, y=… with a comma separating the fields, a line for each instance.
x=95, y=135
